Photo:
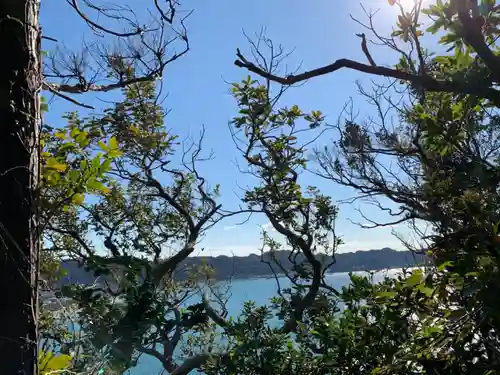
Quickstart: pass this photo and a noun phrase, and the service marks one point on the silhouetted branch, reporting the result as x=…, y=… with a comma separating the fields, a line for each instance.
x=365, y=50
x=48, y=86
x=195, y=362
x=141, y=54
x=156, y=354
x=426, y=82
x=74, y=4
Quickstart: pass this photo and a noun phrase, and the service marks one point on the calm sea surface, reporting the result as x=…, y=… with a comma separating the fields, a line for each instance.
x=257, y=290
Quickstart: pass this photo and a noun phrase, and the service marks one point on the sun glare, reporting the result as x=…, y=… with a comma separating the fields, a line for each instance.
x=406, y=3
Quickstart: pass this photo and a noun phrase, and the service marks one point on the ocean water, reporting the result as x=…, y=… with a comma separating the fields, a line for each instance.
x=257, y=290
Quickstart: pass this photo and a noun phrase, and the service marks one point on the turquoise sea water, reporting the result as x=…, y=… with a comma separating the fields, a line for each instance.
x=257, y=290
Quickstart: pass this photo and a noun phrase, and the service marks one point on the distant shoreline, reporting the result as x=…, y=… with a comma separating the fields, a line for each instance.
x=52, y=302
x=255, y=267
x=281, y=275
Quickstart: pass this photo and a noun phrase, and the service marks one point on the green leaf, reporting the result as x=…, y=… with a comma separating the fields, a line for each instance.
x=442, y=59
x=102, y=146
x=414, y=279
x=60, y=135
x=74, y=132
x=74, y=175
x=444, y=151
x=50, y=363
x=433, y=329
x=67, y=147
x=105, y=166
x=96, y=162
x=387, y=294
x=113, y=144
x=485, y=261
x=133, y=129
x=52, y=163
x=445, y=265
x=97, y=186
x=438, y=24
x=425, y=290
x=449, y=38
x=78, y=198
x=114, y=153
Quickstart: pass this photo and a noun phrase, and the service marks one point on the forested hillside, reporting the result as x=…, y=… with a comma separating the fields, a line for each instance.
x=256, y=266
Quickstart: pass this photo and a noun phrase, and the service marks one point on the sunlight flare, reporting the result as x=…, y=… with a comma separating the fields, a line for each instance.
x=406, y=3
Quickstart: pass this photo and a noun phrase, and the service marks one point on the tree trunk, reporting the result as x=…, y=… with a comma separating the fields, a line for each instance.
x=20, y=84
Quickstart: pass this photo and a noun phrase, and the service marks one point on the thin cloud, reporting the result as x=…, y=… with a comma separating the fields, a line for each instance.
x=268, y=227
x=230, y=227
x=238, y=250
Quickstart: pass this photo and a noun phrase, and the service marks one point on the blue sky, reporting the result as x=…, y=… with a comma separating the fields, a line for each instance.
x=320, y=32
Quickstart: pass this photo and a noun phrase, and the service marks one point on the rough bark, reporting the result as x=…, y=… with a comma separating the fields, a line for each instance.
x=20, y=83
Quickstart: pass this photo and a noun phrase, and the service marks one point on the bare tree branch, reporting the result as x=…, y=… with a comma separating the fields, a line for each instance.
x=426, y=82
x=195, y=362
x=74, y=4
x=140, y=55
